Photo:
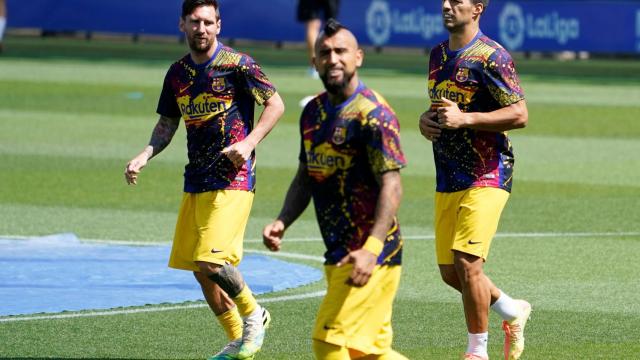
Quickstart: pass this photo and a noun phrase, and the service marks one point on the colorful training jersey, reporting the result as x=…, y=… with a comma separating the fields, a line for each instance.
x=345, y=148
x=216, y=100
x=480, y=77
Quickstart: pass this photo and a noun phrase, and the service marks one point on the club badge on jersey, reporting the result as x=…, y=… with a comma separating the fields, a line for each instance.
x=339, y=135
x=217, y=84
x=462, y=74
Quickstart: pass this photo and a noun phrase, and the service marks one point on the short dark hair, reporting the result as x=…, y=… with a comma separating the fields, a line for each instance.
x=189, y=6
x=332, y=27
x=483, y=2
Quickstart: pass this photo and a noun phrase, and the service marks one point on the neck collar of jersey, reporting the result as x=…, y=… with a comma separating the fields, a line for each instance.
x=454, y=53
x=350, y=99
x=205, y=64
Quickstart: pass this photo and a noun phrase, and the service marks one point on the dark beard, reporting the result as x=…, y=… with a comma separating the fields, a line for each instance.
x=456, y=28
x=194, y=45
x=336, y=88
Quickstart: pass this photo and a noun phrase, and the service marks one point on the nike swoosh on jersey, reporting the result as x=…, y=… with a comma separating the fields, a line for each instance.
x=185, y=88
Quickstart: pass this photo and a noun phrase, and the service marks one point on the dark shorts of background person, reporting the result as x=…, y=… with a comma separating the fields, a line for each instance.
x=317, y=9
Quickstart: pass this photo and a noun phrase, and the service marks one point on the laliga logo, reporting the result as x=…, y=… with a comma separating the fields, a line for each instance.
x=382, y=21
x=514, y=26
x=638, y=30
x=379, y=22
x=511, y=24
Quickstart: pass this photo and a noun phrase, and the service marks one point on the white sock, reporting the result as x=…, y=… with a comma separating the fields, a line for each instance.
x=477, y=344
x=506, y=307
x=3, y=24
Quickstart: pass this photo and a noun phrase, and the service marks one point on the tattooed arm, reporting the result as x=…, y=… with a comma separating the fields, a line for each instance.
x=160, y=138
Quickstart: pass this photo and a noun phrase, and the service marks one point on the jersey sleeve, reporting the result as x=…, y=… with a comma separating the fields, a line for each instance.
x=383, y=141
x=502, y=79
x=256, y=82
x=302, y=155
x=167, y=105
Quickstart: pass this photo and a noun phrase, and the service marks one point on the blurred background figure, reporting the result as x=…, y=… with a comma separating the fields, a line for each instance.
x=3, y=21
x=312, y=13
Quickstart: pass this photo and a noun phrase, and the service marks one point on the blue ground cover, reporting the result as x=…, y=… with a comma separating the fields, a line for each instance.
x=60, y=273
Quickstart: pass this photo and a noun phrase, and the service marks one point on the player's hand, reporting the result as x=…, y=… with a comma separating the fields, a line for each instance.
x=429, y=127
x=134, y=167
x=272, y=235
x=450, y=116
x=239, y=153
x=363, y=262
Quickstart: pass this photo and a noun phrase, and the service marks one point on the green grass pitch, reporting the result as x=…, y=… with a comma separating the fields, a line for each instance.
x=72, y=113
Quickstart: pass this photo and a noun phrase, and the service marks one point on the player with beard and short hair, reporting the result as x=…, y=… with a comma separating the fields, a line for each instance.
x=3, y=21
x=476, y=98
x=214, y=89
x=350, y=159
x=312, y=13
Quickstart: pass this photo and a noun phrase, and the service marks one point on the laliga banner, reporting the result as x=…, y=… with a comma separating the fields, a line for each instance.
x=524, y=25
x=517, y=25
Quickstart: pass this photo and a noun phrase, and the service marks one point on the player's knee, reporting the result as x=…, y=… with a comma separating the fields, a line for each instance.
x=451, y=279
x=468, y=267
x=202, y=278
x=228, y=279
x=208, y=269
x=449, y=275
x=469, y=274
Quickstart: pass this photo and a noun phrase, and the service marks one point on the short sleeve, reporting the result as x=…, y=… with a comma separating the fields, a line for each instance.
x=502, y=79
x=382, y=136
x=256, y=82
x=167, y=105
x=302, y=155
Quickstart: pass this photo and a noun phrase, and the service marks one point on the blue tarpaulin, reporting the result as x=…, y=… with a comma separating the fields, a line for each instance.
x=59, y=272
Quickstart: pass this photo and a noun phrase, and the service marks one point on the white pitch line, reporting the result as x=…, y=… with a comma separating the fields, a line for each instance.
x=154, y=309
x=176, y=307
x=278, y=254
x=408, y=237
x=569, y=234
x=499, y=235
x=287, y=255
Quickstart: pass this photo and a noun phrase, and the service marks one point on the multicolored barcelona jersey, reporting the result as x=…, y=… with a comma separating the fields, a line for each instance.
x=480, y=77
x=216, y=100
x=345, y=148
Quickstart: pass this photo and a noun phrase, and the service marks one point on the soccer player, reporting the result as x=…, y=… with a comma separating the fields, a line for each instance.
x=312, y=13
x=213, y=88
x=476, y=97
x=350, y=159
x=3, y=21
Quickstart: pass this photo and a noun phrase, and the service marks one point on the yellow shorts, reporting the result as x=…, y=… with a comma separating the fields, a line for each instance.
x=210, y=228
x=466, y=221
x=358, y=318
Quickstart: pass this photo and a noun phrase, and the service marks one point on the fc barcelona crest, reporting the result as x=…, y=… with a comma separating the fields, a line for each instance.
x=217, y=84
x=462, y=74
x=339, y=135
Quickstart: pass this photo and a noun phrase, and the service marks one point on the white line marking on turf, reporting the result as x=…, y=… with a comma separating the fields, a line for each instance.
x=155, y=309
x=277, y=254
x=287, y=255
x=500, y=235
x=316, y=239
x=169, y=308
